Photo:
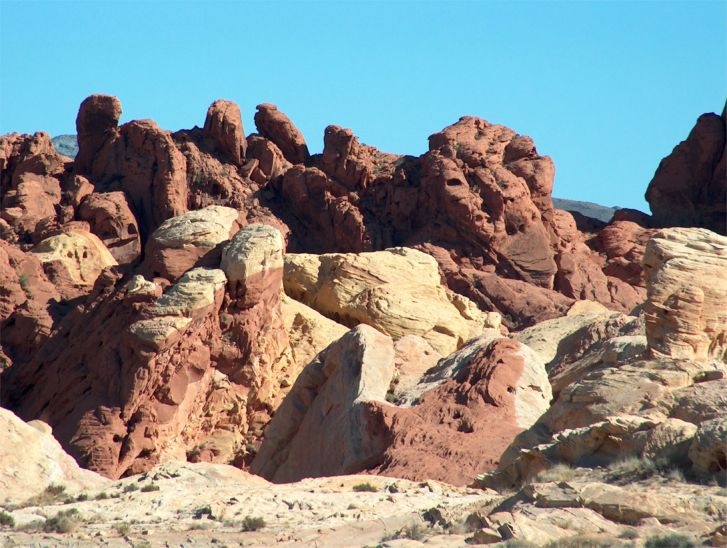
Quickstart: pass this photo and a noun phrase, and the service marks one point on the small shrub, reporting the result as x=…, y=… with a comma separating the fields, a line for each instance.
x=131, y=488
x=52, y=494
x=102, y=496
x=6, y=520
x=365, y=488
x=515, y=543
x=149, y=488
x=629, y=534
x=413, y=532
x=557, y=473
x=635, y=469
x=82, y=497
x=252, y=524
x=143, y=544
x=122, y=529
x=669, y=541
x=23, y=281
x=63, y=522
x=198, y=527
x=202, y=511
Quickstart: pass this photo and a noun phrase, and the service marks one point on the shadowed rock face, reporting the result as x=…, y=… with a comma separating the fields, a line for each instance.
x=335, y=420
x=689, y=187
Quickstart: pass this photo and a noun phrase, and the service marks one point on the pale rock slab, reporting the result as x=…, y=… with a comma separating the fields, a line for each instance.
x=82, y=254
x=686, y=306
x=397, y=291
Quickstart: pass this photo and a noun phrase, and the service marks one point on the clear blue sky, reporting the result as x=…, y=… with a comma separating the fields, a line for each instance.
x=606, y=88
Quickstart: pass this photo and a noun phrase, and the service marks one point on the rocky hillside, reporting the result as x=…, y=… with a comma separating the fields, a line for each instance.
x=221, y=299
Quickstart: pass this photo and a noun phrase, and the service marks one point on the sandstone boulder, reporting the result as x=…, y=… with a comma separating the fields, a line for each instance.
x=98, y=117
x=82, y=255
x=459, y=427
x=32, y=460
x=468, y=409
x=189, y=240
x=381, y=289
x=708, y=451
x=223, y=126
x=276, y=126
x=323, y=428
x=686, y=309
x=309, y=331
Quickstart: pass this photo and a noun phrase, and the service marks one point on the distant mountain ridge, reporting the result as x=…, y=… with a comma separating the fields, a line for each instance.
x=66, y=145
x=587, y=209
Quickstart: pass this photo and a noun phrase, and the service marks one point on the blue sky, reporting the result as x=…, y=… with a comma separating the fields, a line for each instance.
x=605, y=88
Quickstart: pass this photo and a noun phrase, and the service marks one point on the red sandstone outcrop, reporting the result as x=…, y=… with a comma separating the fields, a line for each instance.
x=152, y=377
x=30, y=187
x=110, y=219
x=478, y=201
x=28, y=304
x=689, y=187
x=278, y=128
x=96, y=123
x=223, y=126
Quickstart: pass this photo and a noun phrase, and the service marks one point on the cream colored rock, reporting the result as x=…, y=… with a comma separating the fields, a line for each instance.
x=313, y=512
x=320, y=429
x=189, y=240
x=82, y=254
x=413, y=358
x=397, y=291
x=669, y=440
x=686, y=307
x=32, y=460
x=546, y=337
x=309, y=332
x=253, y=251
x=201, y=228
x=141, y=287
x=580, y=308
x=159, y=332
x=708, y=451
x=195, y=295
x=192, y=295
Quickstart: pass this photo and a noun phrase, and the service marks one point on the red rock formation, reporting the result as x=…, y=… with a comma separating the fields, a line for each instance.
x=96, y=123
x=151, y=377
x=689, y=187
x=110, y=218
x=479, y=200
x=28, y=303
x=460, y=428
x=30, y=187
x=277, y=127
x=223, y=126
